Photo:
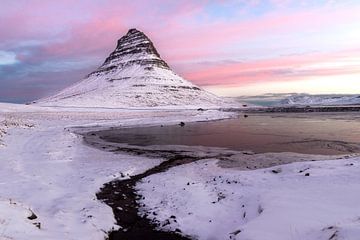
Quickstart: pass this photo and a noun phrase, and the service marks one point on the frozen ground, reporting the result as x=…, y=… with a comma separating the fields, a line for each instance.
x=46, y=170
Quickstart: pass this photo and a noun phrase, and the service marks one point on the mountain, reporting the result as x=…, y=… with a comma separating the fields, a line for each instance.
x=134, y=75
x=264, y=100
x=325, y=100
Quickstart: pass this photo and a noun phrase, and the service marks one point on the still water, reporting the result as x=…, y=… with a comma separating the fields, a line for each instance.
x=314, y=133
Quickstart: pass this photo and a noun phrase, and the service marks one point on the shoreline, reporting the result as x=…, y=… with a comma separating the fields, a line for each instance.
x=74, y=206
x=259, y=133
x=122, y=195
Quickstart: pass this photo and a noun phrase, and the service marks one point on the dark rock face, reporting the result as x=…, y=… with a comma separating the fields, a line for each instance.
x=128, y=51
x=135, y=42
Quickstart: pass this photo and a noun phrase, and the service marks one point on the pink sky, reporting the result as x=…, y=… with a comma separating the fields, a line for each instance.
x=212, y=43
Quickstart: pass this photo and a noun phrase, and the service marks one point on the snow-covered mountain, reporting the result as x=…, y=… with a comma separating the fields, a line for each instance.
x=306, y=99
x=134, y=75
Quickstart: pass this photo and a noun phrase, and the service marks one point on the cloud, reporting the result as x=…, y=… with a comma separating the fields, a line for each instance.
x=7, y=58
x=285, y=68
x=195, y=37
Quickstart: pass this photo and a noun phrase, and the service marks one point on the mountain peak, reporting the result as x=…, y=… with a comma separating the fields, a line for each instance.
x=135, y=37
x=133, y=48
x=133, y=31
x=133, y=75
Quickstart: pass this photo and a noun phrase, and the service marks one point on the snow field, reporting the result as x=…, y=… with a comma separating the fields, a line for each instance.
x=208, y=202
x=48, y=169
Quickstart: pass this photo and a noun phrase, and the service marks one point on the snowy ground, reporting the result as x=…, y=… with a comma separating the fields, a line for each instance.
x=46, y=170
x=282, y=202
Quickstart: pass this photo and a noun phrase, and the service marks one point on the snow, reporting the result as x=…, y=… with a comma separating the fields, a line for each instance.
x=210, y=202
x=134, y=87
x=327, y=100
x=46, y=168
x=12, y=107
x=14, y=220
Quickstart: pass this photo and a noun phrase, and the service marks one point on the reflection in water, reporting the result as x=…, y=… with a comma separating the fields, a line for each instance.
x=312, y=133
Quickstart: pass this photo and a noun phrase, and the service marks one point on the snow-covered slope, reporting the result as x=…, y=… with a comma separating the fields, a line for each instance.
x=306, y=99
x=134, y=75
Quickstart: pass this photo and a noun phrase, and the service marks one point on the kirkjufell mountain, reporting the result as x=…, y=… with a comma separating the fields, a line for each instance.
x=134, y=75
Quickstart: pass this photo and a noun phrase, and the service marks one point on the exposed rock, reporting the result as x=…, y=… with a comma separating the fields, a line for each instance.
x=32, y=216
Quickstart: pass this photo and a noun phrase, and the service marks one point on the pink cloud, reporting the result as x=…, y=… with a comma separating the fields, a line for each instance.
x=22, y=20
x=95, y=34
x=105, y=27
x=210, y=38
x=184, y=33
x=171, y=26
x=282, y=68
x=89, y=37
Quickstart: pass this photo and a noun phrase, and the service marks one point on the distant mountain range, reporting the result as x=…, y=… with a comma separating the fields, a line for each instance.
x=134, y=76
x=301, y=99
x=305, y=99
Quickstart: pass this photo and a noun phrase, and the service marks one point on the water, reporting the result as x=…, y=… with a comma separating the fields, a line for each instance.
x=302, y=133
